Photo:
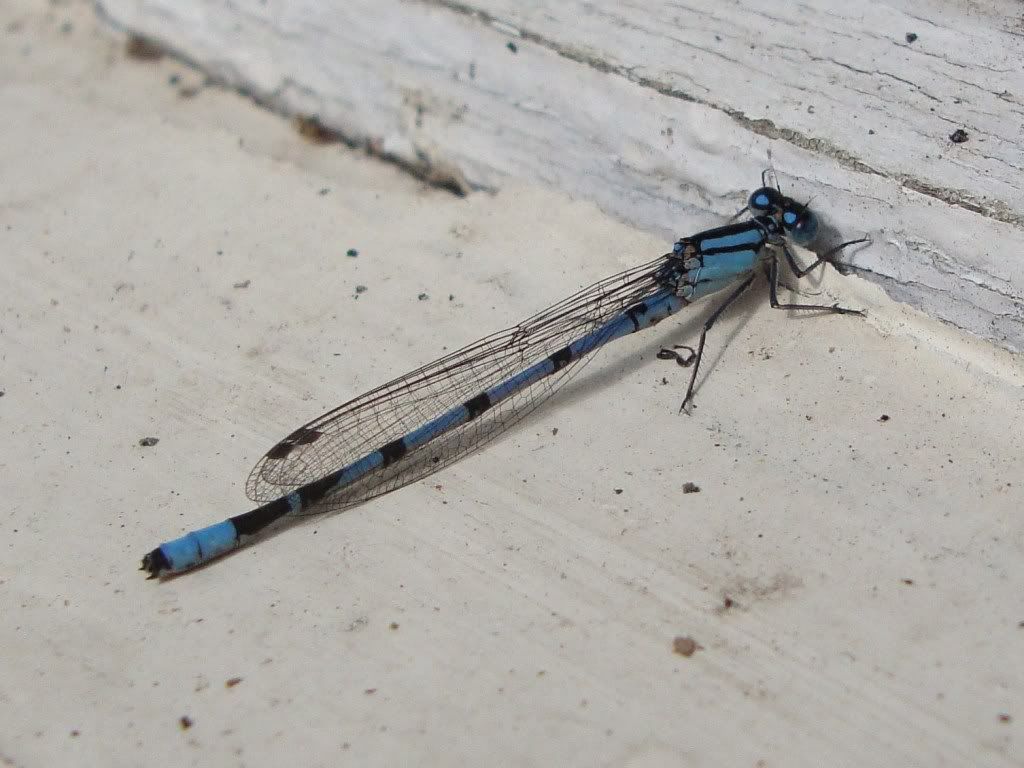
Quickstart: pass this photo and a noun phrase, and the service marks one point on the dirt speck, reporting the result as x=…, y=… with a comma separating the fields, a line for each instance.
x=312, y=130
x=686, y=646
x=143, y=49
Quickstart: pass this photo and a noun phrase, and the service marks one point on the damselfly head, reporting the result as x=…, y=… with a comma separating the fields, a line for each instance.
x=797, y=219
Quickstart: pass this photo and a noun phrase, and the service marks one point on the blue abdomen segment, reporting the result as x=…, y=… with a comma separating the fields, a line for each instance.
x=446, y=421
x=520, y=381
x=198, y=546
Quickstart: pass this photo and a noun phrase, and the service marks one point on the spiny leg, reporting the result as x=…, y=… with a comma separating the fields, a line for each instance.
x=694, y=359
x=738, y=213
x=823, y=259
x=773, y=298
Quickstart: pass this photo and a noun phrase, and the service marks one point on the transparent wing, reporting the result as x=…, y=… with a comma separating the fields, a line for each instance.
x=359, y=427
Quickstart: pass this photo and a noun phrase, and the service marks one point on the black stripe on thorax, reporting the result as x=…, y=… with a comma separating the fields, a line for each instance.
x=742, y=227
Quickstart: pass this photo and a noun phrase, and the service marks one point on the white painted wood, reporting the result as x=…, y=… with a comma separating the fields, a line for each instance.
x=177, y=268
x=659, y=108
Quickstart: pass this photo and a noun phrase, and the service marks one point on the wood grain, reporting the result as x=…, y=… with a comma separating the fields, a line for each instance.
x=665, y=113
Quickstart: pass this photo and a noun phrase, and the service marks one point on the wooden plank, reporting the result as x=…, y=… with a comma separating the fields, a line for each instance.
x=658, y=109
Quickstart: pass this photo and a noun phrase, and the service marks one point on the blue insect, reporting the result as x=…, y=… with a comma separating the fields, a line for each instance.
x=412, y=426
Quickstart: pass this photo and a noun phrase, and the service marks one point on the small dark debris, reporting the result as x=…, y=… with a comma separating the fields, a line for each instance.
x=691, y=488
x=370, y=691
x=618, y=491
x=393, y=625
x=75, y=733
x=361, y=289
x=672, y=354
x=324, y=191
x=423, y=297
x=352, y=253
x=190, y=92
x=728, y=602
x=686, y=646
x=231, y=682
x=871, y=131
x=910, y=37
x=66, y=28
x=143, y=49
x=149, y=442
x=959, y=136
x=908, y=582
x=311, y=129
x=512, y=47
x=185, y=722
x=451, y=297
x=884, y=417
x=2, y=393
x=242, y=284
x=554, y=430
x=1004, y=718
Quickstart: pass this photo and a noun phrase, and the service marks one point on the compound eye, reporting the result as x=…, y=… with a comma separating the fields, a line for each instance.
x=764, y=199
x=802, y=227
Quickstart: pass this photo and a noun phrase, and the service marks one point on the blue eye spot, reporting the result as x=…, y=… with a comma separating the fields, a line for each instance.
x=763, y=199
x=805, y=230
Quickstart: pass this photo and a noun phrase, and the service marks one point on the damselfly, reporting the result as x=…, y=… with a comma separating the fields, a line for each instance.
x=414, y=425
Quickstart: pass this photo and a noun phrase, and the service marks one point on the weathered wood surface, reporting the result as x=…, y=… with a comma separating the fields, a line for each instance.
x=655, y=108
x=174, y=267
